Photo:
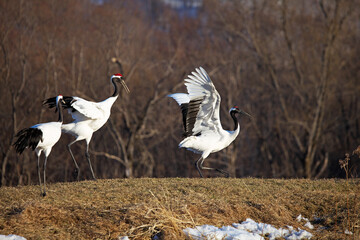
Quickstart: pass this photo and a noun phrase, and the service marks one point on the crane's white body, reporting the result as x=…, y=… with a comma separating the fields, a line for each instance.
x=51, y=134
x=89, y=117
x=209, y=142
x=207, y=134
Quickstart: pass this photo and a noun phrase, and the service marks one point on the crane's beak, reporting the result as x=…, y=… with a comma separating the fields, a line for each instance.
x=124, y=85
x=245, y=113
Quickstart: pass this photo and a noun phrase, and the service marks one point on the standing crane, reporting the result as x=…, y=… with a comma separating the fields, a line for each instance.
x=41, y=138
x=201, y=118
x=88, y=117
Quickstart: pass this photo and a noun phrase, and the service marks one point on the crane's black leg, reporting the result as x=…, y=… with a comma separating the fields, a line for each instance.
x=77, y=170
x=226, y=174
x=38, y=168
x=44, y=193
x=87, y=155
x=199, y=161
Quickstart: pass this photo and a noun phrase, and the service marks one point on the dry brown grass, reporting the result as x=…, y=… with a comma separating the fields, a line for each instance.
x=141, y=208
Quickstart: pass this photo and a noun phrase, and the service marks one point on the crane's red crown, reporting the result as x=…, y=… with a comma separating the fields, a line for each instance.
x=118, y=74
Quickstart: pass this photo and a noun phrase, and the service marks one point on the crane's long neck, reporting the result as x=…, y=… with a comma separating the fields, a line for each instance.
x=236, y=122
x=116, y=90
x=61, y=119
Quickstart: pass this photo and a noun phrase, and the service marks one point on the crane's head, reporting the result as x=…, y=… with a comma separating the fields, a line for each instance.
x=59, y=99
x=121, y=79
x=236, y=109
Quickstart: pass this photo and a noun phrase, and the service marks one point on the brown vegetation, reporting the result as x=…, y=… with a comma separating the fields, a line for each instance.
x=293, y=65
x=142, y=207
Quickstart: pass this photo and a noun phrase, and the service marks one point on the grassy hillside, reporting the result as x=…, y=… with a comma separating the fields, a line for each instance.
x=140, y=208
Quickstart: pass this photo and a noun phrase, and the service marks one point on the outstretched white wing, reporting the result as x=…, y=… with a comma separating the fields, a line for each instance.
x=85, y=110
x=200, y=86
x=200, y=107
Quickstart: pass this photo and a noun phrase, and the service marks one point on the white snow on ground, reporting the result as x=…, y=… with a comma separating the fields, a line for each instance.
x=309, y=225
x=307, y=222
x=124, y=238
x=211, y=232
x=11, y=237
x=247, y=230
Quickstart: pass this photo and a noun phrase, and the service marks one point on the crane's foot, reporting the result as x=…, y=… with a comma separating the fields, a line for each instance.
x=226, y=174
x=93, y=174
x=76, y=174
x=42, y=193
x=201, y=175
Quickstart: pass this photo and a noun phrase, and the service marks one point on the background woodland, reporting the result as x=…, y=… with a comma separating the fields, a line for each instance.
x=293, y=65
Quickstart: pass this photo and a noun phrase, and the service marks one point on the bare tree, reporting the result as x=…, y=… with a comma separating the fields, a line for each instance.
x=292, y=65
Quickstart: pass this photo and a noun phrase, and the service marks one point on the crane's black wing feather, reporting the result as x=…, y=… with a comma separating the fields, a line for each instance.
x=189, y=112
x=51, y=102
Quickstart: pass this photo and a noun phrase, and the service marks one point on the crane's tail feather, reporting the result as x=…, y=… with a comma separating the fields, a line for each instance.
x=180, y=98
x=187, y=143
x=28, y=137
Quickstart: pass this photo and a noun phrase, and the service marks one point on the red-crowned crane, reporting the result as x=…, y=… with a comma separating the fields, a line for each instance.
x=41, y=138
x=201, y=118
x=89, y=117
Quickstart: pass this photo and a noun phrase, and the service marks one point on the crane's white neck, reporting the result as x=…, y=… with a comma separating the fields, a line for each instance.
x=110, y=101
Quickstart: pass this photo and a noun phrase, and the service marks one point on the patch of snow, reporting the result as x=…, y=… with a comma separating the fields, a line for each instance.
x=307, y=222
x=227, y=233
x=247, y=230
x=11, y=237
x=299, y=218
x=309, y=225
x=261, y=228
x=348, y=232
x=301, y=234
x=124, y=238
